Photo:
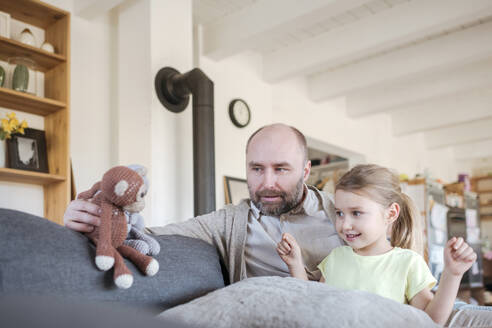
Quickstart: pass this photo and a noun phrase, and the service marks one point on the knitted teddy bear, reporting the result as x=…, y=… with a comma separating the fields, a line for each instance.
x=121, y=189
x=136, y=238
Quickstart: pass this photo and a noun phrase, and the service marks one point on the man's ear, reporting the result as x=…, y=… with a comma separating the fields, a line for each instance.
x=392, y=213
x=307, y=170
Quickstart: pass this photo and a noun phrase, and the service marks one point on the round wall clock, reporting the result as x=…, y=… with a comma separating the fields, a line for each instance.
x=239, y=113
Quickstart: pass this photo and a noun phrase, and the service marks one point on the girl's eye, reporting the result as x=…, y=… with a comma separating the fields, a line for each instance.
x=356, y=213
x=339, y=213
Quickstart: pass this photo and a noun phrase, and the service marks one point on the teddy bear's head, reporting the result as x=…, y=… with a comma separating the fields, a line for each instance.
x=125, y=188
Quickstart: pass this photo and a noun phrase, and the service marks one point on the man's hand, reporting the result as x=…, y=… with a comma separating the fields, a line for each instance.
x=289, y=251
x=82, y=216
x=458, y=256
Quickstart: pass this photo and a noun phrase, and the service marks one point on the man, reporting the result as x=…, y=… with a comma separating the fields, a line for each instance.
x=246, y=235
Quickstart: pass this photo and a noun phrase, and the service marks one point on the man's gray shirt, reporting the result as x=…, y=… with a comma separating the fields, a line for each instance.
x=308, y=223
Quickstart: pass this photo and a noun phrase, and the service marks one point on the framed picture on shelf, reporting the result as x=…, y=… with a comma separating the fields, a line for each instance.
x=235, y=190
x=28, y=151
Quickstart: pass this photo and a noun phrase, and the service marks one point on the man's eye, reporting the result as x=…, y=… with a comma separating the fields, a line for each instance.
x=281, y=169
x=256, y=169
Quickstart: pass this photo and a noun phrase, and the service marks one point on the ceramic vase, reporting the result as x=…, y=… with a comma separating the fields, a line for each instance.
x=27, y=37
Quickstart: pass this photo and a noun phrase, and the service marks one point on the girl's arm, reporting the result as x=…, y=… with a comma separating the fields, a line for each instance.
x=458, y=258
x=290, y=252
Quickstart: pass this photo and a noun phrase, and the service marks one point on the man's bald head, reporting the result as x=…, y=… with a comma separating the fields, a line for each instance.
x=279, y=127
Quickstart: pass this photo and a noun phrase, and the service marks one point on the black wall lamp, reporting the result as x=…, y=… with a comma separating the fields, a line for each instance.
x=173, y=90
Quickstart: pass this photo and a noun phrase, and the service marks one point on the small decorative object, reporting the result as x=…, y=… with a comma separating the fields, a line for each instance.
x=403, y=177
x=46, y=46
x=465, y=178
x=239, y=113
x=2, y=76
x=27, y=37
x=22, y=74
x=4, y=24
x=28, y=151
x=8, y=127
x=120, y=190
x=235, y=190
x=20, y=79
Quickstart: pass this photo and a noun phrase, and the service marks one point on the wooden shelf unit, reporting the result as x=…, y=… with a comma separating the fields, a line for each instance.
x=54, y=107
x=28, y=103
x=31, y=177
x=44, y=60
x=477, y=186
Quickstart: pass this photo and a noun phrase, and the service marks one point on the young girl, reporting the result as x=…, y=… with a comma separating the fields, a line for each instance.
x=369, y=204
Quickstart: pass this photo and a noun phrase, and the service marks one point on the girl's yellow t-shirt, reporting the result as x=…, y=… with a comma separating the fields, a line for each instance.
x=399, y=274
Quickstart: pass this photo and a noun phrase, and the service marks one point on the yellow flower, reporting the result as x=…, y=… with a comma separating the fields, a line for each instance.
x=7, y=128
x=5, y=124
x=13, y=124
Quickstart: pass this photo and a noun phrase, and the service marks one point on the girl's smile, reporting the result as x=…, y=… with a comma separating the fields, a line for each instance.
x=351, y=237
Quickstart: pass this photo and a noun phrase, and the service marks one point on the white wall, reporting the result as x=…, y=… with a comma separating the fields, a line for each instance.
x=171, y=36
x=92, y=99
x=236, y=77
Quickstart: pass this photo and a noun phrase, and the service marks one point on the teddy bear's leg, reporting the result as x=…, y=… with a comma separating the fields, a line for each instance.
x=123, y=277
x=139, y=245
x=145, y=263
x=104, y=249
x=154, y=247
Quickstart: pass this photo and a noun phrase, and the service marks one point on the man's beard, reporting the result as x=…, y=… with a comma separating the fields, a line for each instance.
x=289, y=199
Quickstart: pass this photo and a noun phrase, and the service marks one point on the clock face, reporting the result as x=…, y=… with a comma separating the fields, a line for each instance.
x=239, y=113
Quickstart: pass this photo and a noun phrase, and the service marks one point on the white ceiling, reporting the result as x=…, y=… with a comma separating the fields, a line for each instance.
x=428, y=63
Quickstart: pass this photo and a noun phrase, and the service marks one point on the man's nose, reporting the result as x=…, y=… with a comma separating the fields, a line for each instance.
x=269, y=179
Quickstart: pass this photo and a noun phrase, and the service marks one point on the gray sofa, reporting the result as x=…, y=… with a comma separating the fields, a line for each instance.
x=38, y=257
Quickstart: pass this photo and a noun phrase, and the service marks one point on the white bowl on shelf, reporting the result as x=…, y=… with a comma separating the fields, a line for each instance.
x=46, y=46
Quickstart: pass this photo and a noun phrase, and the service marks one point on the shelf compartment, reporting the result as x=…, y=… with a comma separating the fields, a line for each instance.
x=28, y=103
x=44, y=60
x=21, y=176
x=33, y=11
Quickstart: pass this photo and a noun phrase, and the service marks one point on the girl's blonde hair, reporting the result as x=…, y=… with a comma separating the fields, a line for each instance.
x=383, y=186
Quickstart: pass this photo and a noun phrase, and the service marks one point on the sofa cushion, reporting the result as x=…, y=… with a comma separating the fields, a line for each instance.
x=39, y=257
x=291, y=303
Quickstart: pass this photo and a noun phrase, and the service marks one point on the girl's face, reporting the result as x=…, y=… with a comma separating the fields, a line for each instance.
x=363, y=223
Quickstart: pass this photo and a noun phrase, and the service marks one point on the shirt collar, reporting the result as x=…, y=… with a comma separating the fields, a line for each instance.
x=308, y=205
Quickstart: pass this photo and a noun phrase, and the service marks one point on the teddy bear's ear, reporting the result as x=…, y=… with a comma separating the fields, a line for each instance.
x=141, y=170
x=120, y=188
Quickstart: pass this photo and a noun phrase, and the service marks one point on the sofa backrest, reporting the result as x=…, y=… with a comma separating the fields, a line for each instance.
x=39, y=257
